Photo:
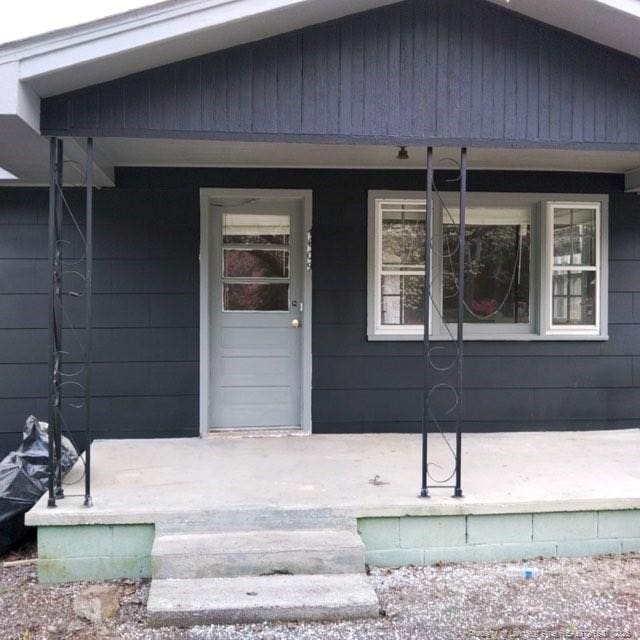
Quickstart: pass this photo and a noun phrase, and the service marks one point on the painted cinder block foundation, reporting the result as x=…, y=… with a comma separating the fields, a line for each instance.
x=420, y=540
x=94, y=552
x=103, y=552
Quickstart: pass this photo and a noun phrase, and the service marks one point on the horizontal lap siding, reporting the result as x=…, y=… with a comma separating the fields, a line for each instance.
x=145, y=375
x=375, y=386
x=146, y=313
x=438, y=70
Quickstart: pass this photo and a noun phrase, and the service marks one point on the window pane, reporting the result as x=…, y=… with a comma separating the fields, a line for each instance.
x=402, y=300
x=497, y=265
x=402, y=237
x=245, y=228
x=574, y=237
x=574, y=297
x=256, y=297
x=256, y=263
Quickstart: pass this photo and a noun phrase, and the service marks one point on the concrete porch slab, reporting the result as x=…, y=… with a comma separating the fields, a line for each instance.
x=152, y=481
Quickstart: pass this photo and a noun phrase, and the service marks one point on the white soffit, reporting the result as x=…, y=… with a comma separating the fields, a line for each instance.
x=31, y=166
x=159, y=34
x=210, y=153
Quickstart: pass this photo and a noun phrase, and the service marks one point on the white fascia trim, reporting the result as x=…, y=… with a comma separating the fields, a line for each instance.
x=626, y=6
x=16, y=98
x=128, y=32
x=632, y=180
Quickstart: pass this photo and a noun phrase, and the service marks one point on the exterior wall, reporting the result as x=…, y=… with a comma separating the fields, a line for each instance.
x=145, y=376
x=146, y=313
x=448, y=71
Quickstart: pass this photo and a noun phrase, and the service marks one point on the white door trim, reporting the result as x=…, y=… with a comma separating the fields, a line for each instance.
x=206, y=196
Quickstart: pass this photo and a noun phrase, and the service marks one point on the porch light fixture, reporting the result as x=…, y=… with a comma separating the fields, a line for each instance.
x=403, y=154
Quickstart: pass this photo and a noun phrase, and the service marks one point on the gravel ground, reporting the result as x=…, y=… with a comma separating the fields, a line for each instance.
x=594, y=599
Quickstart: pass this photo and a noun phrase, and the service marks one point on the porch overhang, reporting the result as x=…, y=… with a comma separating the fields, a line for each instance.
x=278, y=72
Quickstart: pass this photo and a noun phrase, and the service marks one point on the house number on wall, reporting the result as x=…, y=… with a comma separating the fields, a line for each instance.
x=309, y=251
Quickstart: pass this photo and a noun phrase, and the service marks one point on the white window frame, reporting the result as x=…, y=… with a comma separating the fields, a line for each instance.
x=540, y=326
x=552, y=329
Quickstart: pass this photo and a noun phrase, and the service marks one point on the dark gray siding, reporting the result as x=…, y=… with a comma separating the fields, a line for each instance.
x=146, y=342
x=146, y=313
x=447, y=71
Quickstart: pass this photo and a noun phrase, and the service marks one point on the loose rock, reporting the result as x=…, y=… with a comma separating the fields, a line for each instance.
x=98, y=602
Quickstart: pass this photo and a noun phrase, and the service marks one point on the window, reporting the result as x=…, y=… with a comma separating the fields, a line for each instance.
x=532, y=267
x=402, y=263
x=497, y=265
x=255, y=269
x=574, y=272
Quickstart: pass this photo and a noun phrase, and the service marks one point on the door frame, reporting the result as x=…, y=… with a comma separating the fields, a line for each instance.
x=305, y=197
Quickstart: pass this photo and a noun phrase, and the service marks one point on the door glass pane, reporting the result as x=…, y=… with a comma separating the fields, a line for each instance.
x=574, y=297
x=245, y=228
x=256, y=263
x=256, y=297
x=574, y=237
x=402, y=299
x=497, y=265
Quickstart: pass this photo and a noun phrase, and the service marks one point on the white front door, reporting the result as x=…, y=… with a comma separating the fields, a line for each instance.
x=256, y=313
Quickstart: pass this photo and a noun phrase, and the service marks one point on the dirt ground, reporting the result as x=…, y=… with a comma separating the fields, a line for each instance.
x=586, y=599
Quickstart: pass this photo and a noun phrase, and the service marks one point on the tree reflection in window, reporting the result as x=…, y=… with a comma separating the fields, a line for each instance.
x=496, y=282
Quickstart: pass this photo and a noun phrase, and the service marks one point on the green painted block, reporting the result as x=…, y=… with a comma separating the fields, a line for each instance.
x=584, y=548
x=93, y=569
x=505, y=528
x=94, y=552
x=432, y=531
x=566, y=525
x=394, y=557
x=74, y=541
x=619, y=524
x=379, y=533
x=491, y=552
x=630, y=545
x=133, y=540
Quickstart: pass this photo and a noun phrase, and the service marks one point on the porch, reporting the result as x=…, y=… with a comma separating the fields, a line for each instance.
x=527, y=495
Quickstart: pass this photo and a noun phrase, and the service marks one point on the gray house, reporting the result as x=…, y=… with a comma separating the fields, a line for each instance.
x=256, y=177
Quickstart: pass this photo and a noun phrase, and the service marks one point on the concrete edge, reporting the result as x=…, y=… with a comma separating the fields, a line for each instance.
x=41, y=515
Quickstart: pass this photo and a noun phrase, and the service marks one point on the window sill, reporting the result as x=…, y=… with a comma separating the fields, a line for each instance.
x=514, y=337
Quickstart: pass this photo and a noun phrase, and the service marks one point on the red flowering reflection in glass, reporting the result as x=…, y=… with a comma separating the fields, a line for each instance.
x=256, y=263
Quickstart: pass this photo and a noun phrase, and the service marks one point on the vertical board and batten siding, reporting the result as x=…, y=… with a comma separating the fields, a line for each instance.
x=445, y=71
x=146, y=313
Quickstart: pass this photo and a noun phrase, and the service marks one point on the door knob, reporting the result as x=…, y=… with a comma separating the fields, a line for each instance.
x=295, y=323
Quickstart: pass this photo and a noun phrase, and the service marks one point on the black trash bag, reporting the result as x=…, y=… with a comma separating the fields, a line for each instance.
x=24, y=478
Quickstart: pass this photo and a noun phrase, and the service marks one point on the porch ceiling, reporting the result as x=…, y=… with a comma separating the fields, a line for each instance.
x=29, y=163
x=199, y=153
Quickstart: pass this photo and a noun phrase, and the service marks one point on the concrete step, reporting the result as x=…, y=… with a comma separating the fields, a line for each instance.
x=184, y=603
x=216, y=555
x=255, y=519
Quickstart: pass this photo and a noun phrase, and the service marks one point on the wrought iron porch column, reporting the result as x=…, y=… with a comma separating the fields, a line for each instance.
x=426, y=306
x=437, y=377
x=461, y=257
x=88, y=502
x=55, y=333
x=58, y=205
